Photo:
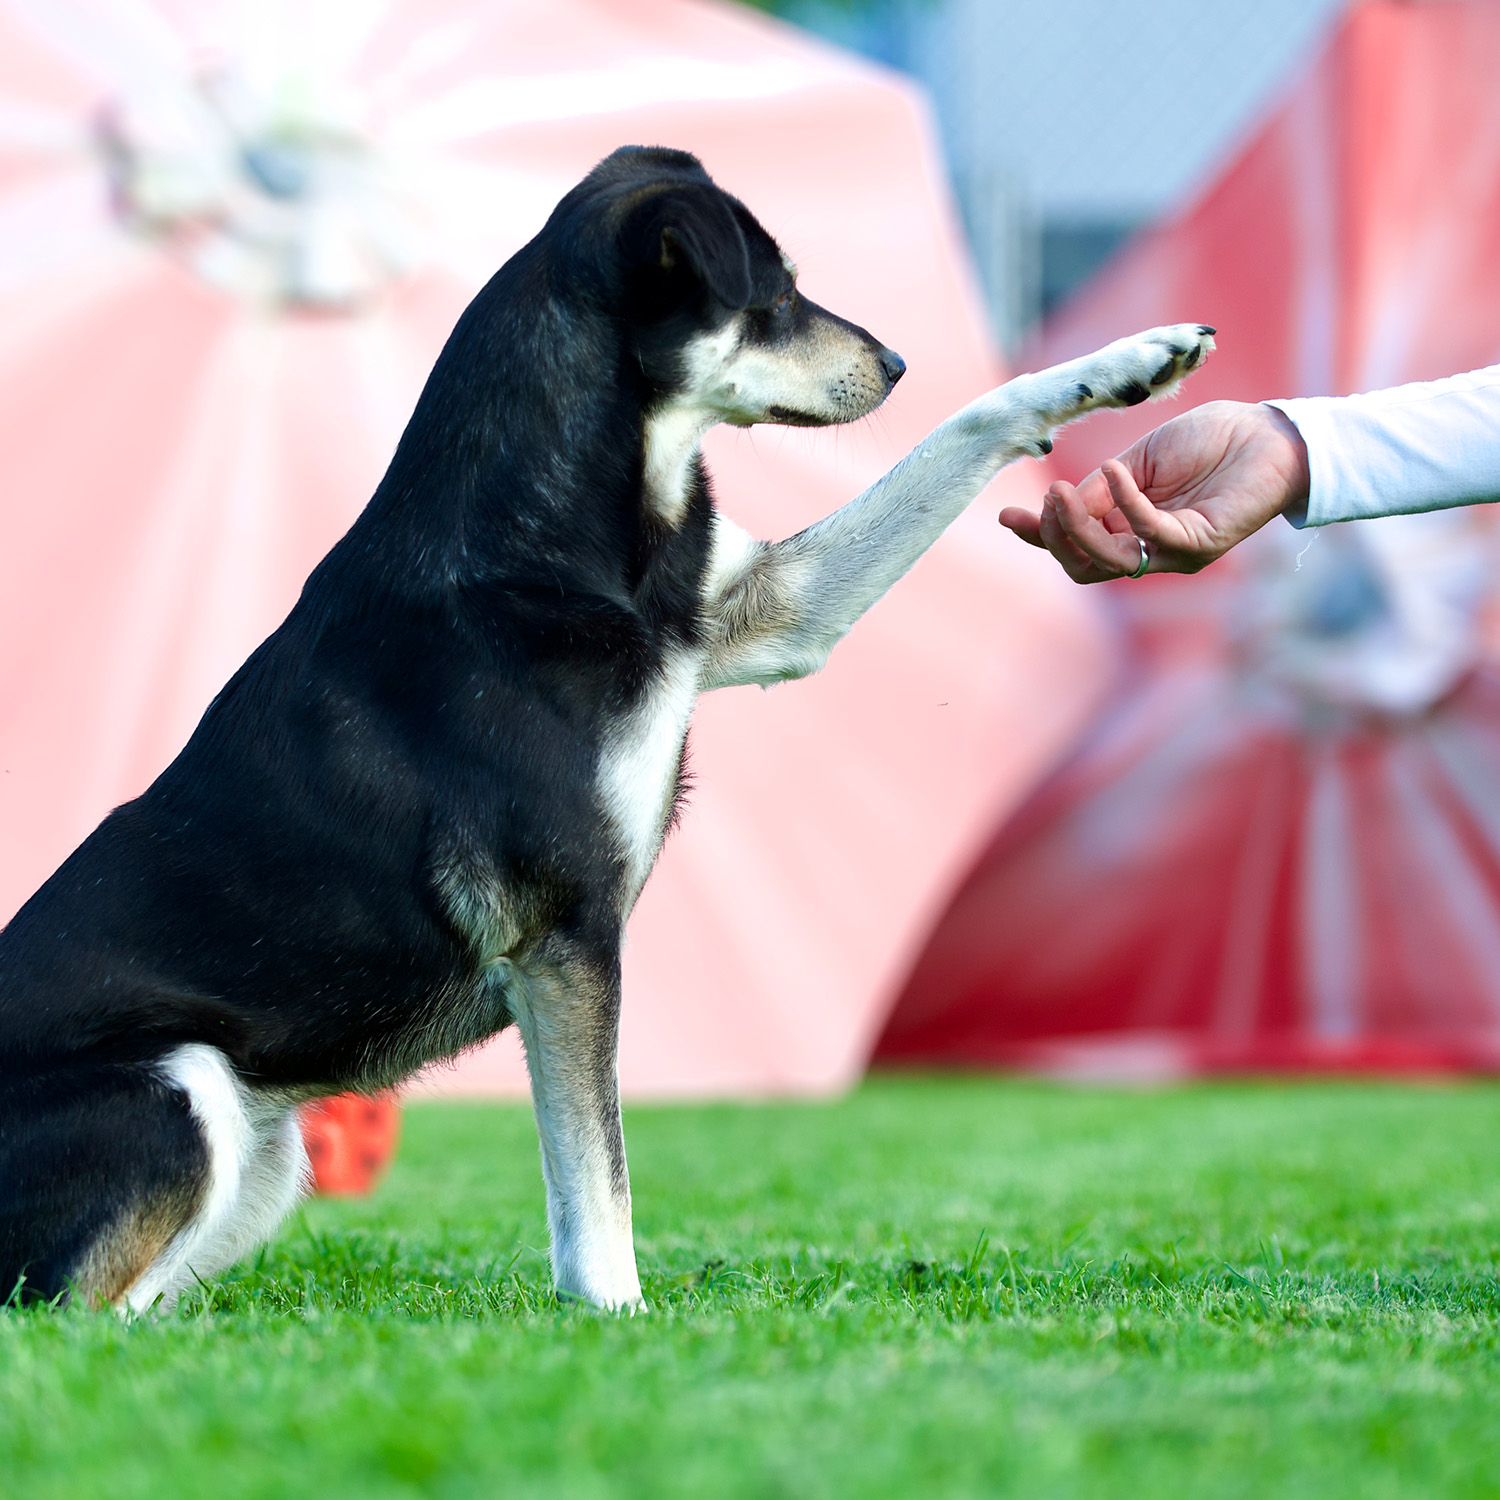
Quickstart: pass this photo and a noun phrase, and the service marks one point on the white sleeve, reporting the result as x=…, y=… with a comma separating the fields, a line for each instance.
x=1414, y=447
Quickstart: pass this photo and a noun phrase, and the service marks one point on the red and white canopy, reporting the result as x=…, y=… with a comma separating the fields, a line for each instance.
x=233, y=235
x=1280, y=847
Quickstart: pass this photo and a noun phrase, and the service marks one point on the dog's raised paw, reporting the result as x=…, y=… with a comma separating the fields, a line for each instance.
x=1149, y=365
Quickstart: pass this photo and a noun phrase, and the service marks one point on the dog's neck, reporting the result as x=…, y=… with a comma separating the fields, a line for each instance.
x=673, y=437
x=531, y=428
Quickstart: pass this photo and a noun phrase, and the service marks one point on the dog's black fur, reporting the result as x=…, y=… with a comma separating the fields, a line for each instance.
x=428, y=720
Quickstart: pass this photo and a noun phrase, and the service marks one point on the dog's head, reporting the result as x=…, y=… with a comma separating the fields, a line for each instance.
x=711, y=304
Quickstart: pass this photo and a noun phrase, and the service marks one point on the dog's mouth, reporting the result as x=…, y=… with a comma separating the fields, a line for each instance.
x=786, y=416
x=852, y=397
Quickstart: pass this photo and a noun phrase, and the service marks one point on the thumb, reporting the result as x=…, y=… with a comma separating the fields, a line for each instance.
x=1025, y=523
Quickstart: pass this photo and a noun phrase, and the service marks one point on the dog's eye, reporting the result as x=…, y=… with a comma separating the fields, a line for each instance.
x=784, y=301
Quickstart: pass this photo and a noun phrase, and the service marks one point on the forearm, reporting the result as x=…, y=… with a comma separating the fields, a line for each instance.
x=1418, y=447
x=846, y=561
x=776, y=611
x=851, y=558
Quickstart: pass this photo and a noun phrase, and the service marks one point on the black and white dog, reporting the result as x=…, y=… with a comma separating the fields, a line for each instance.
x=423, y=809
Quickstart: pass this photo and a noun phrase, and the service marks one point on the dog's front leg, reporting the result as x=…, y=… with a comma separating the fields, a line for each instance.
x=777, y=611
x=567, y=1006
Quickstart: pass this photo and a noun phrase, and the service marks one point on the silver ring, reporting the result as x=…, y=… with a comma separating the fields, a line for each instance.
x=1140, y=567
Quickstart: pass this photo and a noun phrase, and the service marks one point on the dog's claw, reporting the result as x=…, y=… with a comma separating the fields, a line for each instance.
x=1149, y=365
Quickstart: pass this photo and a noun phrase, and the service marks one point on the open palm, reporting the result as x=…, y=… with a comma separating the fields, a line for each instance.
x=1190, y=490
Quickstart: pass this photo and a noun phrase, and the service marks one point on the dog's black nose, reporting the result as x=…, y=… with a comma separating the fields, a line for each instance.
x=893, y=365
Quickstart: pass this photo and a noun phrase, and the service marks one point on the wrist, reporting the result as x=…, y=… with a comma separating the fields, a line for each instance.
x=1289, y=453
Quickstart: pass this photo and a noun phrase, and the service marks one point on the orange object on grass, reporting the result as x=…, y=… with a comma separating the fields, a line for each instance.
x=351, y=1140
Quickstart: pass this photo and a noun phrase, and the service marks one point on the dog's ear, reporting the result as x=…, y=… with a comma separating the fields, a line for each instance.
x=691, y=231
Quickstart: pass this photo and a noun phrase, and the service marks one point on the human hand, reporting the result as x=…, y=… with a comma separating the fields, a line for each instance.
x=1189, y=490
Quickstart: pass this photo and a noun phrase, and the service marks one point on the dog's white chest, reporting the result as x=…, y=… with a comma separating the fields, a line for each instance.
x=638, y=771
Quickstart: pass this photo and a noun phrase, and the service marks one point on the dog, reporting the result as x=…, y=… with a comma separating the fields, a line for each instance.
x=423, y=809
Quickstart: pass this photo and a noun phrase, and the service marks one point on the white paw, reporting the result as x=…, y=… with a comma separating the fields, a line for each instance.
x=607, y=1280
x=1146, y=366
x=631, y=1306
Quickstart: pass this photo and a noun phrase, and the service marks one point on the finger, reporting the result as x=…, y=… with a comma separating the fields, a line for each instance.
x=1025, y=523
x=1093, y=490
x=1076, y=563
x=1145, y=519
x=1049, y=526
x=1115, y=555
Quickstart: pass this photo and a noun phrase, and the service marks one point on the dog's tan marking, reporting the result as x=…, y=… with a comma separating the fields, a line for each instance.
x=121, y=1256
x=487, y=912
x=747, y=604
x=257, y=1169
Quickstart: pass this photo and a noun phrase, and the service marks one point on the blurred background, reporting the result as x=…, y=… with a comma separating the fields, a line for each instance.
x=1243, y=821
x=1049, y=135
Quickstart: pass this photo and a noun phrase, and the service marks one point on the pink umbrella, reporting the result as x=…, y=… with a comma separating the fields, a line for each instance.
x=1281, y=846
x=232, y=238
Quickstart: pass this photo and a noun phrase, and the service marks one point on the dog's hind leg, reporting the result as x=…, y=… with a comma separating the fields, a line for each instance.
x=123, y=1183
x=256, y=1169
x=776, y=611
x=567, y=1006
x=101, y=1169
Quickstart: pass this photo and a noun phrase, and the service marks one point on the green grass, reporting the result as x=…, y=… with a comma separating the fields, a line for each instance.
x=955, y=1288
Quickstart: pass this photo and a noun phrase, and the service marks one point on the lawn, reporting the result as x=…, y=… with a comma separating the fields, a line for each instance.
x=946, y=1288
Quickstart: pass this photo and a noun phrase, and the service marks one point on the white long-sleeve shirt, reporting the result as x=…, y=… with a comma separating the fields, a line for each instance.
x=1426, y=446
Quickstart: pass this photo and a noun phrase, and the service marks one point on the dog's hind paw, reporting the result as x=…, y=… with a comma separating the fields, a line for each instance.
x=1146, y=366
